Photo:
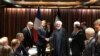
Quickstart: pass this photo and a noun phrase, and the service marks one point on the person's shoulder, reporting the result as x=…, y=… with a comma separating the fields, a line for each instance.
x=81, y=32
x=93, y=40
x=63, y=29
x=25, y=28
x=38, y=28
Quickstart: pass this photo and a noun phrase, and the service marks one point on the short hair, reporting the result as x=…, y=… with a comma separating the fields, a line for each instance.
x=76, y=23
x=83, y=23
x=90, y=31
x=4, y=40
x=43, y=21
x=14, y=42
x=18, y=34
x=97, y=21
x=58, y=22
x=29, y=23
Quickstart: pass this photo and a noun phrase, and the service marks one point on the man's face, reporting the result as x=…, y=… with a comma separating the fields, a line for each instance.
x=43, y=23
x=58, y=26
x=21, y=38
x=97, y=27
x=30, y=26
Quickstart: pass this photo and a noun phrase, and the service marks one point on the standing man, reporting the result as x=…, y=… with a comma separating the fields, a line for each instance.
x=41, y=44
x=78, y=37
x=27, y=31
x=59, y=41
x=97, y=45
x=97, y=37
x=89, y=42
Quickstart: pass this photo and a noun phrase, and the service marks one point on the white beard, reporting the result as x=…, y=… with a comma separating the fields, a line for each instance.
x=58, y=27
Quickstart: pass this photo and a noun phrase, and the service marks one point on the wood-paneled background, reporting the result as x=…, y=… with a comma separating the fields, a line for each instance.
x=13, y=20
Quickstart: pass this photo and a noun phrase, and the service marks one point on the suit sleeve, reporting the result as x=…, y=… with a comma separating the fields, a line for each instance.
x=25, y=39
x=40, y=34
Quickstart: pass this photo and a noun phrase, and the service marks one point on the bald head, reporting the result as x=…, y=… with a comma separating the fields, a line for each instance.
x=30, y=25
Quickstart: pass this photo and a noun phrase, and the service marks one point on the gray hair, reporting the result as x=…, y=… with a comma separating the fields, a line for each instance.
x=90, y=31
x=58, y=22
x=19, y=34
x=97, y=21
x=29, y=23
x=76, y=23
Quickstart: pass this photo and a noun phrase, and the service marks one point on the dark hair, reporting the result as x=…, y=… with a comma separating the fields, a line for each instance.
x=83, y=23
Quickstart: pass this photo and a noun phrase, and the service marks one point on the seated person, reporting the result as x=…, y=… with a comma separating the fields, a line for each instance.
x=21, y=49
x=5, y=49
x=15, y=44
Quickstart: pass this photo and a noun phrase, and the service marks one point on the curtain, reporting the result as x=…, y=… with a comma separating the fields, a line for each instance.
x=14, y=20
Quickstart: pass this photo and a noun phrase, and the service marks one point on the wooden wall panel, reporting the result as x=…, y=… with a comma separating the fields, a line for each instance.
x=14, y=19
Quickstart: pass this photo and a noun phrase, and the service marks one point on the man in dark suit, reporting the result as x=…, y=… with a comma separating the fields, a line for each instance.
x=89, y=43
x=41, y=43
x=59, y=41
x=97, y=45
x=97, y=37
x=21, y=49
x=27, y=31
x=49, y=30
x=78, y=37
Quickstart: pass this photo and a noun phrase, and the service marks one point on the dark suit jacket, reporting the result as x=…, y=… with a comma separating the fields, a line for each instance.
x=20, y=51
x=97, y=49
x=89, y=49
x=77, y=44
x=16, y=53
x=48, y=33
x=28, y=38
x=41, y=37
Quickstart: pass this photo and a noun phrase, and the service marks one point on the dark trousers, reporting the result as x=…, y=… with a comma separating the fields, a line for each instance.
x=76, y=55
x=41, y=50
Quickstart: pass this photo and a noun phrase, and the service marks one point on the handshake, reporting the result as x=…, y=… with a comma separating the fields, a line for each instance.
x=47, y=39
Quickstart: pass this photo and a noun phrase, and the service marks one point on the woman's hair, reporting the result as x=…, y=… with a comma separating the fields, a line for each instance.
x=6, y=51
x=14, y=42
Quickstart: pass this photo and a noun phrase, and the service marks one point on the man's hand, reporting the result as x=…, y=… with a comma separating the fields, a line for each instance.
x=47, y=39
